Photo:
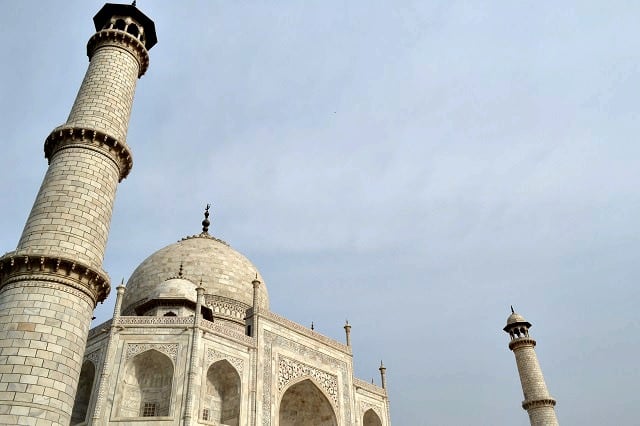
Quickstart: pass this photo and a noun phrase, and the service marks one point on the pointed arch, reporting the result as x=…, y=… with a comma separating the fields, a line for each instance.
x=221, y=402
x=371, y=418
x=303, y=403
x=147, y=384
x=83, y=393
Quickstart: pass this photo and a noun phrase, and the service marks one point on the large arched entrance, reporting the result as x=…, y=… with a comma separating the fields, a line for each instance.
x=83, y=393
x=303, y=404
x=371, y=419
x=221, y=402
x=146, y=385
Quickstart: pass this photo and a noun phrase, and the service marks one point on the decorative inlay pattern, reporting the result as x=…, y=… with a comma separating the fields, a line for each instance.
x=213, y=355
x=169, y=349
x=289, y=369
x=272, y=340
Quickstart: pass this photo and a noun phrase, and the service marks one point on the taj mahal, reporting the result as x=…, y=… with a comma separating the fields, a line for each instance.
x=192, y=339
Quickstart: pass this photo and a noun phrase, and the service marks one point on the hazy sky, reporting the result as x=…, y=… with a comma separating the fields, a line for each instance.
x=413, y=166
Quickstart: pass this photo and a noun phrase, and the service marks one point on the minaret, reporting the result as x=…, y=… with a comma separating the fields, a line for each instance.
x=51, y=283
x=537, y=401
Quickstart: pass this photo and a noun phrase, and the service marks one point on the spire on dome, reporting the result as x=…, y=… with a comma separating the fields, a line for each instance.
x=206, y=222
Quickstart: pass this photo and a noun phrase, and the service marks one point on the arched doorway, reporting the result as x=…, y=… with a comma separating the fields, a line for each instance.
x=303, y=404
x=146, y=387
x=221, y=403
x=371, y=419
x=83, y=393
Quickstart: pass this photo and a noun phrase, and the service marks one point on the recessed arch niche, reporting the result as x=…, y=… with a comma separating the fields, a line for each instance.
x=221, y=401
x=305, y=404
x=146, y=386
x=371, y=418
x=83, y=393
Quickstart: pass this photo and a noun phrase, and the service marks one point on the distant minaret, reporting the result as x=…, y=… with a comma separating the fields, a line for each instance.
x=51, y=283
x=537, y=401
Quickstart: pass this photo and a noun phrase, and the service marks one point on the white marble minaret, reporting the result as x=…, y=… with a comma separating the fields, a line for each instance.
x=53, y=280
x=537, y=401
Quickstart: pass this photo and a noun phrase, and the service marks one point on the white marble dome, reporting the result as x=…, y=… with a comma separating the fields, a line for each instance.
x=224, y=272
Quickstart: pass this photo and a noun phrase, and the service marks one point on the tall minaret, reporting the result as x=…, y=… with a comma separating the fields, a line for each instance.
x=51, y=283
x=537, y=401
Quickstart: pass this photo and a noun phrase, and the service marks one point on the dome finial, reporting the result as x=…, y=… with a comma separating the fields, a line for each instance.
x=205, y=222
x=512, y=311
x=180, y=270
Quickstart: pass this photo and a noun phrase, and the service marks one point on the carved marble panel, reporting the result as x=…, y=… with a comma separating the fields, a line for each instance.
x=343, y=395
x=169, y=349
x=214, y=355
x=289, y=369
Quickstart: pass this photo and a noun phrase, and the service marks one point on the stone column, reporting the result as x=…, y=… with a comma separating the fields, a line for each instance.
x=51, y=283
x=109, y=353
x=537, y=401
x=193, y=360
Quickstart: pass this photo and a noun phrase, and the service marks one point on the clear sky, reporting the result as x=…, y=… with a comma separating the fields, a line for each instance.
x=413, y=166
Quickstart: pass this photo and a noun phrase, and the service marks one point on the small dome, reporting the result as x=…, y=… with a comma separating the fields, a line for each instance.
x=224, y=273
x=514, y=318
x=175, y=288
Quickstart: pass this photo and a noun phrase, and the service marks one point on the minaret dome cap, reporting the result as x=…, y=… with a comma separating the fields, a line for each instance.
x=113, y=9
x=516, y=319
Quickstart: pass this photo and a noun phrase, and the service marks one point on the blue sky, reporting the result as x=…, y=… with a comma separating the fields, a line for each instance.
x=415, y=167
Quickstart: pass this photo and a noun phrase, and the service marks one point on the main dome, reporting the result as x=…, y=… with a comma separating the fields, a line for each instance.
x=224, y=272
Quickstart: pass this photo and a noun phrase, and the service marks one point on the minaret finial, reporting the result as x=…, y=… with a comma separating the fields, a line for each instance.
x=134, y=3
x=205, y=222
x=312, y=327
x=512, y=311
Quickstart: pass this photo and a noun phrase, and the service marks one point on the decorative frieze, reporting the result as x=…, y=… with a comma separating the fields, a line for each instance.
x=133, y=320
x=362, y=384
x=305, y=331
x=169, y=349
x=289, y=369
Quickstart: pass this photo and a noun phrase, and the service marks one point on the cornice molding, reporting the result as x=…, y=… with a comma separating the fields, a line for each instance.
x=70, y=136
x=16, y=268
